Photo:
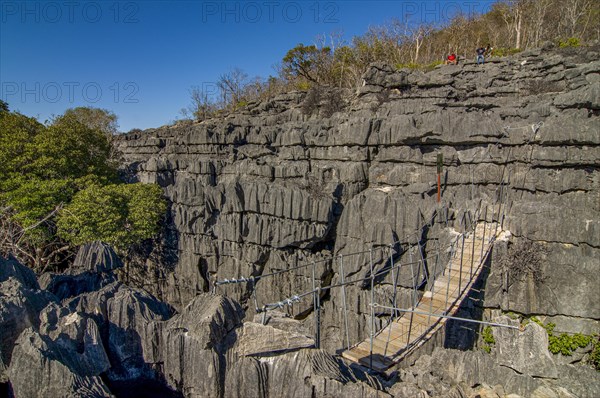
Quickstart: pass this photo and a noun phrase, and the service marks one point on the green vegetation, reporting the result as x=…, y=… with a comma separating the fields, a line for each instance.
x=412, y=66
x=488, y=339
x=566, y=344
x=59, y=188
x=118, y=214
x=512, y=315
x=241, y=104
x=570, y=42
x=595, y=354
x=331, y=61
x=306, y=62
x=95, y=118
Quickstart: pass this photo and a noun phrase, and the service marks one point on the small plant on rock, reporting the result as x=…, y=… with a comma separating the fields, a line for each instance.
x=565, y=344
x=594, y=357
x=488, y=339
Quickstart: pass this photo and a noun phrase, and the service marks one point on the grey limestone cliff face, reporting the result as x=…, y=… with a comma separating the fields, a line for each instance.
x=20, y=303
x=41, y=368
x=274, y=186
x=48, y=350
x=81, y=335
x=91, y=271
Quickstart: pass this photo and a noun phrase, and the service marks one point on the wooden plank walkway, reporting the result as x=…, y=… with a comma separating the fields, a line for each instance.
x=405, y=334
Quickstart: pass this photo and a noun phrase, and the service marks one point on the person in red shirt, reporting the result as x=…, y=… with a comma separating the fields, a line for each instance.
x=452, y=59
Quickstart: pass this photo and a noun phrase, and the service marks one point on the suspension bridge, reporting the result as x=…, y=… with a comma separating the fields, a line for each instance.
x=410, y=328
x=416, y=325
x=407, y=328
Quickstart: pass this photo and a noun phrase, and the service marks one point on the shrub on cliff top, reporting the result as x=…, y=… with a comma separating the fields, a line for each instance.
x=570, y=42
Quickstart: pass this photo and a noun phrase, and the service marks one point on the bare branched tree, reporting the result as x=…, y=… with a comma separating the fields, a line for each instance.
x=537, y=19
x=524, y=259
x=203, y=104
x=232, y=85
x=40, y=256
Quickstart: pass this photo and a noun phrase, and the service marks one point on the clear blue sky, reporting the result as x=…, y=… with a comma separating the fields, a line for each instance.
x=139, y=59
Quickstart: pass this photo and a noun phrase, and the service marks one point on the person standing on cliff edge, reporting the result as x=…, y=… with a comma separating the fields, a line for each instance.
x=480, y=55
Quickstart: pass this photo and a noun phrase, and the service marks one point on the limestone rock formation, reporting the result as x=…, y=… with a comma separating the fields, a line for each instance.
x=92, y=269
x=274, y=186
x=41, y=367
x=299, y=374
x=258, y=339
x=78, y=336
x=92, y=344
x=21, y=301
x=129, y=314
x=11, y=268
x=72, y=347
x=96, y=257
x=516, y=349
x=189, y=345
x=476, y=367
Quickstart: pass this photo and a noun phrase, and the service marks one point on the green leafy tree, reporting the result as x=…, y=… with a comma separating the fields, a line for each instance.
x=16, y=149
x=45, y=169
x=305, y=62
x=95, y=118
x=71, y=149
x=45, y=166
x=118, y=214
x=202, y=107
